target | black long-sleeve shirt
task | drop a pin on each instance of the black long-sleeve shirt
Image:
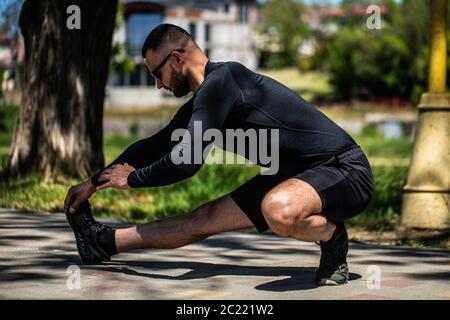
(234, 97)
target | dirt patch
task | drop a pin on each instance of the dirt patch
(403, 237)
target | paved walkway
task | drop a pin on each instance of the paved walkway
(38, 260)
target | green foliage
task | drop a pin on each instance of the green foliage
(119, 60)
(377, 65)
(138, 205)
(375, 146)
(319, 60)
(383, 213)
(384, 210)
(285, 32)
(341, 48)
(2, 77)
(391, 62)
(8, 116)
(212, 181)
(133, 128)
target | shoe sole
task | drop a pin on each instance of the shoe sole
(330, 283)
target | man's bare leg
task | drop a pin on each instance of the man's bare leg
(292, 209)
(217, 216)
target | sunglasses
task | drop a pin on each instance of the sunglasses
(156, 72)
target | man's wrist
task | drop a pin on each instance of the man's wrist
(129, 181)
(91, 186)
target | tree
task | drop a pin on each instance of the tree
(390, 62)
(59, 130)
(120, 61)
(375, 66)
(284, 26)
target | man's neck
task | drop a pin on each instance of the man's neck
(197, 74)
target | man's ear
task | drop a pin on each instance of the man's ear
(178, 57)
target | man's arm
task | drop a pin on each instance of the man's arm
(212, 104)
(144, 152)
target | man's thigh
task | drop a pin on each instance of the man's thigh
(281, 188)
(344, 185)
(249, 197)
(294, 197)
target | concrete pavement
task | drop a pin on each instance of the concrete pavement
(38, 260)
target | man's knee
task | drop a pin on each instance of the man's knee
(284, 213)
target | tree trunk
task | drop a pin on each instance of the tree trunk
(60, 128)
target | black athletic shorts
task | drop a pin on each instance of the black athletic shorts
(344, 184)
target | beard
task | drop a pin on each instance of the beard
(180, 83)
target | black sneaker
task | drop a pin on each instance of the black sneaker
(86, 231)
(333, 269)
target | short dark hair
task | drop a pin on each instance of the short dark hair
(163, 35)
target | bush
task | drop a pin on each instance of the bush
(384, 210)
(375, 145)
(379, 65)
(8, 116)
(392, 62)
(133, 128)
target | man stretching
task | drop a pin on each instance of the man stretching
(323, 179)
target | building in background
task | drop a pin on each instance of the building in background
(223, 29)
(12, 53)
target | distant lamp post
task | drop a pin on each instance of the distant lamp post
(426, 194)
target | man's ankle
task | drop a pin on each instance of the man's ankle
(107, 241)
(335, 232)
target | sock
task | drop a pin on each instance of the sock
(107, 241)
(337, 232)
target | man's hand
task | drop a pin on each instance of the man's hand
(116, 177)
(78, 194)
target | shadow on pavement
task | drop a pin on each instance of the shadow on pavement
(298, 278)
(37, 246)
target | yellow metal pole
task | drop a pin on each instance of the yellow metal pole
(426, 200)
(438, 47)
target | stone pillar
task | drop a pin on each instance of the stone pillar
(426, 194)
